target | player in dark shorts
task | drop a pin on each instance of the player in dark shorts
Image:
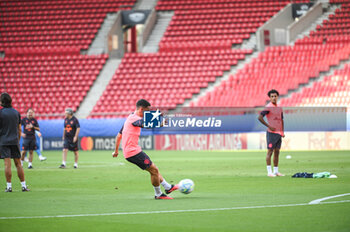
(274, 133)
(30, 125)
(70, 137)
(10, 133)
(129, 135)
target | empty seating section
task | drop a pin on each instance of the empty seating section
(337, 27)
(203, 24)
(286, 67)
(62, 23)
(334, 30)
(42, 40)
(334, 90)
(165, 79)
(195, 49)
(49, 83)
(281, 68)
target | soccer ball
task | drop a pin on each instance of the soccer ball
(186, 186)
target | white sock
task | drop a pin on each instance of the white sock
(9, 185)
(29, 164)
(166, 185)
(157, 191)
(269, 170)
(24, 184)
(275, 170)
(75, 164)
(64, 163)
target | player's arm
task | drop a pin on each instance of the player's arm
(64, 133)
(118, 138)
(22, 131)
(19, 131)
(75, 139)
(38, 133)
(261, 119)
(138, 123)
(36, 126)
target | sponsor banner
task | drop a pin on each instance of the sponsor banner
(253, 141)
(201, 142)
(52, 143)
(108, 143)
(304, 141)
(207, 120)
(216, 120)
(95, 143)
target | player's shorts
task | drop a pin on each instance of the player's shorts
(10, 151)
(29, 144)
(273, 140)
(141, 159)
(68, 144)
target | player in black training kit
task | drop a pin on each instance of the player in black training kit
(70, 137)
(10, 133)
(30, 125)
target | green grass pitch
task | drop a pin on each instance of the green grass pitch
(232, 193)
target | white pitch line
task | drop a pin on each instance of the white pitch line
(317, 201)
(171, 211)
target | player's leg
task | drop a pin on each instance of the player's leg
(76, 158)
(20, 174)
(25, 148)
(64, 157)
(26, 157)
(169, 188)
(156, 180)
(38, 152)
(23, 154)
(275, 162)
(268, 163)
(144, 162)
(277, 147)
(269, 143)
(8, 174)
(30, 159)
(155, 175)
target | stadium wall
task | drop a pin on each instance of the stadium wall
(99, 134)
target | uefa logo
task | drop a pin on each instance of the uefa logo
(152, 119)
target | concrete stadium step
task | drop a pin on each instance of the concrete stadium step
(163, 20)
(98, 88)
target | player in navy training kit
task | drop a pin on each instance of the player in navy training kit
(70, 137)
(10, 133)
(30, 125)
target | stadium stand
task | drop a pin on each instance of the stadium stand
(195, 49)
(42, 41)
(165, 78)
(49, 83)
(281, 68)
(333, 90)
(58, 24)
(285, 67)
(205, 24)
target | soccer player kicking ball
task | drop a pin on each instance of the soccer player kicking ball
(129, 134)
(275, 131)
